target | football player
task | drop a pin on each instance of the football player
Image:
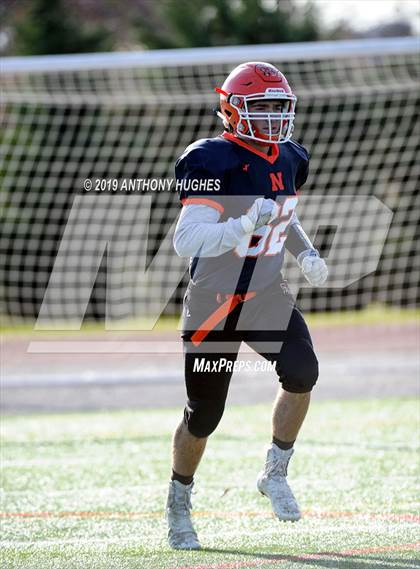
(235, 234)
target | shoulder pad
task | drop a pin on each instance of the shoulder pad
(299, 150)
(211, 154)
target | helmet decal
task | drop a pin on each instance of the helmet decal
(268, 72)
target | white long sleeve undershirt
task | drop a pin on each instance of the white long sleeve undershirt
(199, 234)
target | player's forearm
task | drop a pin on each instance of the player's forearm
(297, 241)
(206, 237)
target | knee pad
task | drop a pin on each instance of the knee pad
(202, 417)
(298, 368)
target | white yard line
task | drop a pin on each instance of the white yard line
(75, 541)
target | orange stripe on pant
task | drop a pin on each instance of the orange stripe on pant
(217, 316)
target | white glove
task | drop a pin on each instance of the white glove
(313, 267)
(262, 212)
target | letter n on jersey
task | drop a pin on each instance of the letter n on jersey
(276, 181)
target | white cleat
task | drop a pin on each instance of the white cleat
(272, 483)
(181, 534)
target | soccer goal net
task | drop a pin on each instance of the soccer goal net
(74, 253)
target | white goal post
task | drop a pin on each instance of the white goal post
(129, 116)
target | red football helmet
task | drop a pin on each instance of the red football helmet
(256, 81)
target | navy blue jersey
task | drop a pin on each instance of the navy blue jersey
(238, 174)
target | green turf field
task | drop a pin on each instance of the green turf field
(87, 491)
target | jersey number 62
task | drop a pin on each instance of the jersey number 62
(269, 240)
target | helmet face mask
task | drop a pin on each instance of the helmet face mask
(260, 123)
(257, 104)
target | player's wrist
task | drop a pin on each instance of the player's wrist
(307, 253)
